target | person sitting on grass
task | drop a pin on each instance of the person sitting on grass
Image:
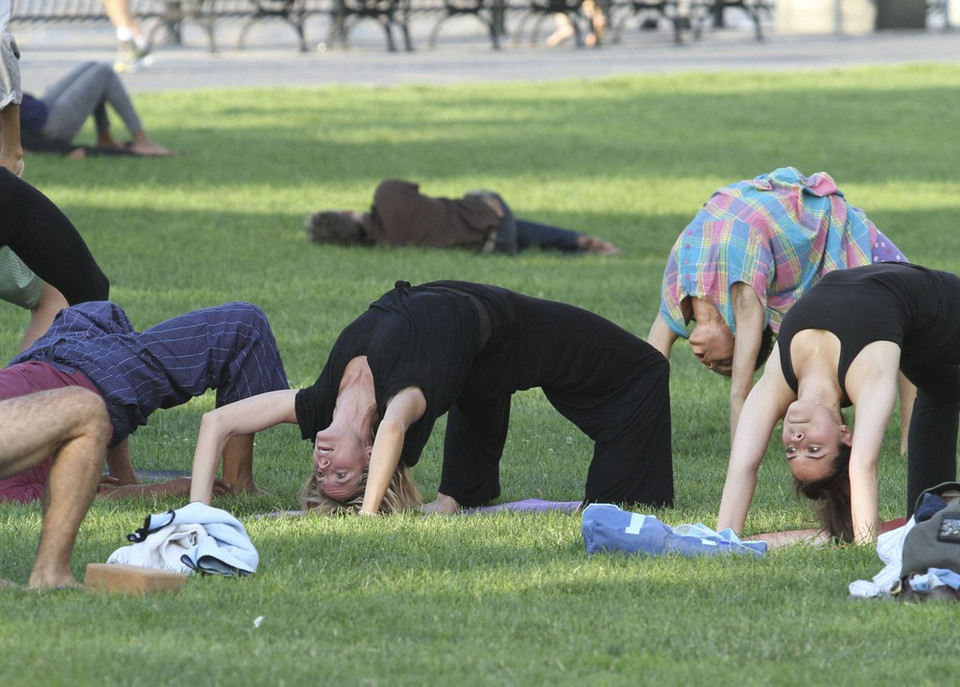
(753, 249)
(72, 434)
(462, 349)
(229, 348)
(843, 343)
(480, 221)
(50, 123)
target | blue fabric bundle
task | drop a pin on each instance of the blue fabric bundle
(609, 528)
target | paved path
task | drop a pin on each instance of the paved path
(464, 56)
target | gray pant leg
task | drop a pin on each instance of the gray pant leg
(83, 93)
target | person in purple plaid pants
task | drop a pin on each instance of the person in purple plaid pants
(230, 348)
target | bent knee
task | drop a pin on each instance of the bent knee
(90, 412)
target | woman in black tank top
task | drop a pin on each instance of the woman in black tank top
(843, 344)
(461, 350)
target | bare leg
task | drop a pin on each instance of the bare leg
(598, 22)
(238, 464)
(11, 150)
(118, 11)
(72, 424)
(51, 302)
(132, 51)
(563, 31)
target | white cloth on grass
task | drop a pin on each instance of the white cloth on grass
(194, 538)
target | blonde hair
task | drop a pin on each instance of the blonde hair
(402, 494)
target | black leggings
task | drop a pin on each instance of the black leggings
(47, 242)
(932, 445)
(610, 384)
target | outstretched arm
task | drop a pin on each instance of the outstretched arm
(764, 407)
(179, 486)
(405, 408)
(241, 418)
(749, 319)
(872, 385)
(119, 465)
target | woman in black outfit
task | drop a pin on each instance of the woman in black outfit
(842, 344)
(464, 349)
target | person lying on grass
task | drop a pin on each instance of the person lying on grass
(93, 345)
(843, 344)
(753, 249)
(462, 349)
(480, 221)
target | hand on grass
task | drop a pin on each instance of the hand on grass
(179, 486)
(443, 505)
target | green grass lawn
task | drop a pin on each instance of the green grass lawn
(506, 599)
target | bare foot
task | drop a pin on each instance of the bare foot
(591, 244)
(444, 505)
(105, 140)
(63, 580)
(150, 149)
(563, 31)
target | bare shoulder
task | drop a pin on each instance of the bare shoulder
(878, 364)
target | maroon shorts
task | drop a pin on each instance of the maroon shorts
(19, 380)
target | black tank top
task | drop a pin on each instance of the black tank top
(914, 307)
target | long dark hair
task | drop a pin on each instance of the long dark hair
(833, 497)
(767, 340)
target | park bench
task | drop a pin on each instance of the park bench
(691, 15)
(164, 19)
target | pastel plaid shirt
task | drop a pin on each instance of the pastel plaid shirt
(779, 233)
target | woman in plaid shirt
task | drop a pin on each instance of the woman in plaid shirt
(753, 249)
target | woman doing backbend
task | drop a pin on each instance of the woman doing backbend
(752, 250)
(463, 349)
(843, 344)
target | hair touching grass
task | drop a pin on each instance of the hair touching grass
(335, 228)
(402, 494)
(833, 496)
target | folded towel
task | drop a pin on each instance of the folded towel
(196, 537)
